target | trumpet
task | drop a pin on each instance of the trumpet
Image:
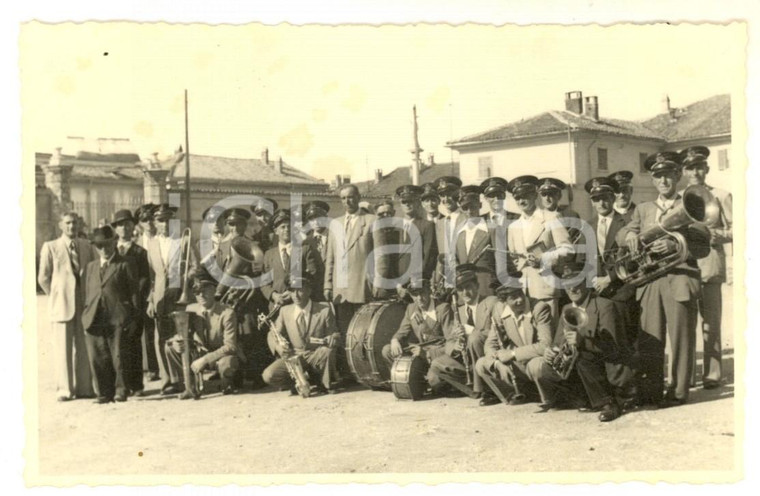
(292, 360)
(574, 318)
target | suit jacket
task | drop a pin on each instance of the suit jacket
(216, 334)
(603, 334)
(320, 323)
(57, 278)
(543, 227)
(446, 230)
(507, 336)
(417, 328)
(165, 278)
(115, 291)
(139, 257)
(426, 247)
(628, 215)
(683, 279)
(483, 313)
(273, 261)
(713, 266)
(616, 290)
(349, 254)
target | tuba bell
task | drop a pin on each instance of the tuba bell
(699, 207)
(574, 318)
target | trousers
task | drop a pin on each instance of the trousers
(504, 380)
(319, 364)
(164, 331)
(104, 348)
(711, 311)
(73, 373)
(227, 366)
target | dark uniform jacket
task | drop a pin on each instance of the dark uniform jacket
(111, 294)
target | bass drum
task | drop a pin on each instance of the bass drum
(371, 328)
(408, 377)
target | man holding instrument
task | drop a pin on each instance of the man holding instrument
(514, 349)
(423, 329)
(307, 329)
(602, 374)
(464, 345)
(213, 327)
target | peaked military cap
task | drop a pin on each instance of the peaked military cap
(447, 183)
(428, 191)
(145, 212)
(264, 206)
(522, 184)
(280, 216)
(601, 185)
(315, 209)
(494, 185)
(550, 183)
(621, 177)
(662, 161)
(164, 211)
(694, 155)
(409, 191)
(236, 214)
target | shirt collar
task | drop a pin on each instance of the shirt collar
(67, 239)
(305, 310)
(430, 311)
(107, 261)
(507, 312)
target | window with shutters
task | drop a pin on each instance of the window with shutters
(642, 159)
(723, 160)
(601, 158)
(484, 167)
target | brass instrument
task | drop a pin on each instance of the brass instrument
(292, 360)
(182, 317)
(574, 318)
(463, 339)
(637, 268)
(240, 266)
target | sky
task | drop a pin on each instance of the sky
(338, 100)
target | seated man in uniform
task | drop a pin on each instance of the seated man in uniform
(466, 340)
(603, 364)
(423, 329)
(307, 329)
(215, 338)
(514, 349)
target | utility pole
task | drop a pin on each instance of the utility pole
(188, 217)
(416, 151)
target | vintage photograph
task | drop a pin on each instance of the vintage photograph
(272, 254)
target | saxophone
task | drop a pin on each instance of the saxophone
(563, 362)
(292, 360)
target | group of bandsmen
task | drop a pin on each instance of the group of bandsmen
(485, 293)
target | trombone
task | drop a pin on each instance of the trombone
(181, 318)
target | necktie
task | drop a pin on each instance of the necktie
(103, 269)
(601, 234)
(74, 256)
(470, 320)
(301, 322)
(285, 260)
(122, 249)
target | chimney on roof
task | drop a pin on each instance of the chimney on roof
(278, 167)
(346, 179)
(55, 158)
(338, 180)
(154, 162)
(378, 175)
(265, 156)
(431, 160)
(591, 108)
(574, 102)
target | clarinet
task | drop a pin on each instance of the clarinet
(463, 340)
(511, 378)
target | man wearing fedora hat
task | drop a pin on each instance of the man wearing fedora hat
(668, 302)
(109, 315)
(514, 348)
(713, 266)
(131, 351)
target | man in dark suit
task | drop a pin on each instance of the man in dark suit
(417, 237)
(606, 224)
(307, 329)
(424, 329)
(713, 266)
(279, 260)
(623, 204)
(669, 301)
(514, 349)
(111, 303)
(316, 220)
(473, 240)
(603, 372)
(466, 341)
(131, 349)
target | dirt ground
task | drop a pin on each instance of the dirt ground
(363, 431)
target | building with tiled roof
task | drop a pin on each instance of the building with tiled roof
(384, 186)
(578, 143)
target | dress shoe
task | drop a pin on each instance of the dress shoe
(229, 389)
(710, 383)
(120, 397)
(670, 402)
(517, 399)
(171, 389)
(64, 397)
(609, 412)
(186, 395)
(102, 401)
(488, 400)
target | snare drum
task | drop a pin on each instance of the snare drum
(371, 328)
(408, 377)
